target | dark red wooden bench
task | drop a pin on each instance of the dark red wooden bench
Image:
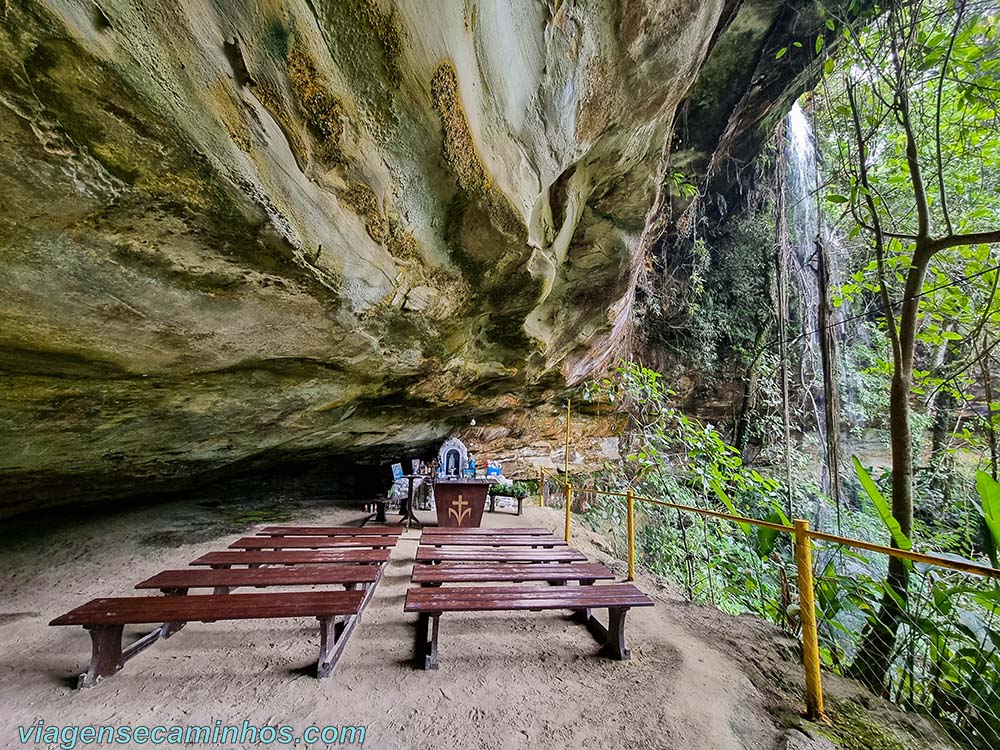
(427, 554)
(312, 542)
(292, 557)
(536, 531)
(486, 540)
(105, 620)
(330, 531)
(617, 598)
(224, 580)
(555, 573)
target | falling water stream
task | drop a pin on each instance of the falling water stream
(806, 232)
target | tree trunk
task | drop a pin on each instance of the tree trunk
(871, 664)
(991, 435)
(831, 392)
(874, 657)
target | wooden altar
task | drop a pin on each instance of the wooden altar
(460, 502)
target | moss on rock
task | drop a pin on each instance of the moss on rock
(361, 200)
(323, 112)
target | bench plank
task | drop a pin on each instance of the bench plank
(482, 540)
(312, 575)
(293, 557)
(450, 554)
(446, 530)
(471, 573)
(312, 542)
(127, 610)
(330, 531)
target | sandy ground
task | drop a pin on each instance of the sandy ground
(507, 680)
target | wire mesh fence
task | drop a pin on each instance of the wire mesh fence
(942, 644)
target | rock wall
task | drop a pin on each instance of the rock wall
(240, 228)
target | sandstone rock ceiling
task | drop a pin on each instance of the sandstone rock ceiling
(234, 228)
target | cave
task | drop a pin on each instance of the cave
(610, 271)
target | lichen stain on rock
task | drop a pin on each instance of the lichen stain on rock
(128, 139)
(273, 102)
(361, 200)
(596, 104)
(323, 112)
(463, 158)
(459, 146)
(384, 226)
(368, 46)
(228, 110)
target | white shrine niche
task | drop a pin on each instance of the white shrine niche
(453, 457)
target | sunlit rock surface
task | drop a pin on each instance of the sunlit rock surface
(231, 229)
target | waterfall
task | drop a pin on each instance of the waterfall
(814, 250)
(802, 180)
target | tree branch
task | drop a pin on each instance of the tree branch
(937, 116)
(958, 240)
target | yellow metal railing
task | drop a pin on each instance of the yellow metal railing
(803, 537)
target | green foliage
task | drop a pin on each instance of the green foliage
(515, 489)
(884, 511)
(713, 303)
(947, 657)
(989, 493)
(671, 455)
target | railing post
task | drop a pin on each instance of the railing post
(807, 613)
(569, 502)
(541, 487)
(631, 535)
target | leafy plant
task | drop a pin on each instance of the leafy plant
(884, 511)
(989, 493)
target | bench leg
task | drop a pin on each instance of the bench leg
(583, 615)
(106, 654)
(169, 628)
(333, 637)
(614, 646)
(611, 638)
(520, 502)
(427, 647)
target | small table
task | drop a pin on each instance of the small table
(406, 506)
(378, 513)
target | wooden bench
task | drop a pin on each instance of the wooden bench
(312, 542)
(555, 573)
(330, 531)
(105, 620)
(292, 557)
(534, 531)
(487, 540)
(427, 554)
(224, 580)
(617, 598)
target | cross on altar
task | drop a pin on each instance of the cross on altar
(461, 510)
